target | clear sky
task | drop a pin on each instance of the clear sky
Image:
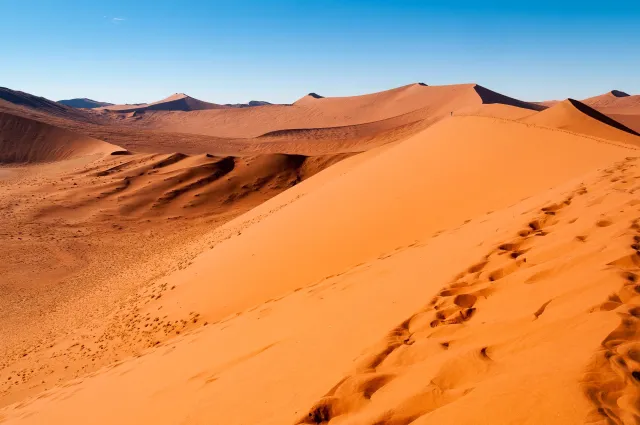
(233, 51)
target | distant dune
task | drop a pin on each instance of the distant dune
(612, 98)
(575, 116)
(423, 255)
(428, 103)
(84, 103)
(28, 141)
(31, 101)
(247, 105)
(176, 102)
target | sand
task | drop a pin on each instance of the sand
(175, 102)
(425, 268)
(575, 116)
(26, 141)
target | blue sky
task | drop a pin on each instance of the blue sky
(235, 51)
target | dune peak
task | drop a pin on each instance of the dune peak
(578, 117)
(618, 93)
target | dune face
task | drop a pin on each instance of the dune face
(491, 97)
(84, 103)
(620, 106)
(179, 185)
(421, 255)
(616, 103)
(28, 100)
(575, 116)
(176, 102)
(28, 141)
(608, 99)
(418, 101)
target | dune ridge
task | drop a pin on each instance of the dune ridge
(27, 141)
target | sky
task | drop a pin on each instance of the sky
(124, 51)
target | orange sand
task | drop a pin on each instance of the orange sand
(478, 268)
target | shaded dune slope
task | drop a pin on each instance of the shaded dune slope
(490, 97)
(84, 103)
(15, 101)
(25, 141)
(179, 185)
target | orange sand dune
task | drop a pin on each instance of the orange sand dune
(177, 185)
(620, 106)
(31, 101)
(476, 261)
(23, 140)
(613, 99)
(81, 237)
(631, 121)
(17, 102)
(175, 102)
(497, 110)
(575, 116)
(439, 100)
(494, 302)
(309, 127)
(548, 103)
(429, 102)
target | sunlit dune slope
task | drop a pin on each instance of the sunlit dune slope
(293, 291)
(577, 117)
(396, 184)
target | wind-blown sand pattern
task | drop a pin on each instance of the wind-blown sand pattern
(422, 255)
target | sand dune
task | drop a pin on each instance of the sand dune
(25, 141)
(614, 98)
(315, 112)
(497, 110)
(84, 103)
(31, 101)
(175, 102)
(423, 255)
(81, 236)
(373, 239)
(177, 185)
(575, 116)
(620, 106)
(444, 140)
(631, 121)
(320, 126)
